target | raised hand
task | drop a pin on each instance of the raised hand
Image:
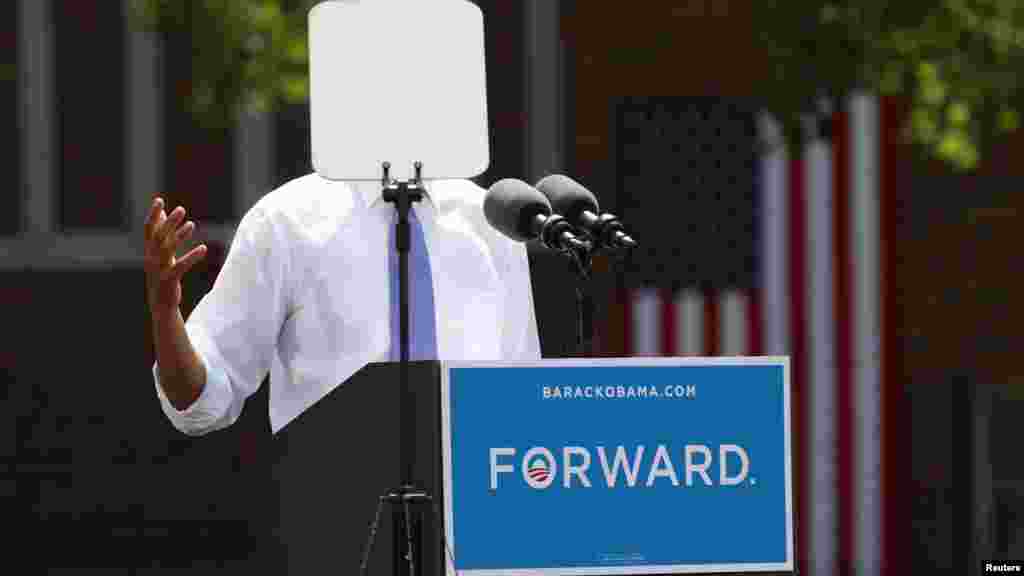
(163, 236)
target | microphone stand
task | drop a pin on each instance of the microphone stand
(406, 548)
(581, 263)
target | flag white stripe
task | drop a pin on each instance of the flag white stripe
(865, 198)
(733, 327)
(689, 309)
(821, 363)
(774, 265)
(646, 322)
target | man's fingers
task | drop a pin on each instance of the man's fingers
(185, 231)
(170, 231)
(154, 216)
(170, 245)
(182, 266)
(168, 225)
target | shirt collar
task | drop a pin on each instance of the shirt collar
(371, 194)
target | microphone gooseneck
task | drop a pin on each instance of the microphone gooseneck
(580, 207)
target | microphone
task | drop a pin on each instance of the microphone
(522, 213)
(579, 206)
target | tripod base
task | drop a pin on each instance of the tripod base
(407, 495)
(408, 533)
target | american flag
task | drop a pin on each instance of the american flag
(770, 253)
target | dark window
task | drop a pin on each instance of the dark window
(291, 130)
(292, 143)
(567, 30)
(10, 136)
(90, 102)
(505, 68)
(199, 161)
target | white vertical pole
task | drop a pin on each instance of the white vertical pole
(867, 331)
(144, 169)
(37, 114)
(254, 159)
(774, 239)
(543, 57)
(823, 535)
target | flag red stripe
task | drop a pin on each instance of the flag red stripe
(895, 429)
(712, 326)
(755, 323)
(669, 330)
(842, 290)
(612, 338)
(627, 297)
(797, 306)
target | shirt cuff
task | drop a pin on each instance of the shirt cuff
(204, 413)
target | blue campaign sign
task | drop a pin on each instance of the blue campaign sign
(618, 466)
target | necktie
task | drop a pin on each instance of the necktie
(422, 331)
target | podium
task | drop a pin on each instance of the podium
(339, 456)
(580, 466)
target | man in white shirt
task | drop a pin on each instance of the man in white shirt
(305, 293)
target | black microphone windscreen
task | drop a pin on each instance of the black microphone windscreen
(567, 196)
(510, 205)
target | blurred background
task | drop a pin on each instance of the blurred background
(825, 213)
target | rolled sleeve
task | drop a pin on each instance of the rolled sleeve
(206, 413)
(234, 326)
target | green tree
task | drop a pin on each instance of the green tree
(246, 54)
(956, 60)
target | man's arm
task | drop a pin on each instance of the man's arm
(182, 373)
(207, 366)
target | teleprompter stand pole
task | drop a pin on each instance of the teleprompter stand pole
(408, 546)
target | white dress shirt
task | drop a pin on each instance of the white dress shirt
(304, 293)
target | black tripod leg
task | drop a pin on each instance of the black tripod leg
(410, 549)
(371, 538)
(398, 561)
